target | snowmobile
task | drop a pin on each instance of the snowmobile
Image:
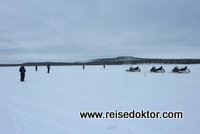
(158, 70)
(135, 69)
(181, 70)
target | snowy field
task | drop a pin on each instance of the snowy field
(51, 103)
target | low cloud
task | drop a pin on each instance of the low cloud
(76, 30)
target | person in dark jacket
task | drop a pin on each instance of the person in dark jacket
(48, 68)
(22, 71)
(36, 68)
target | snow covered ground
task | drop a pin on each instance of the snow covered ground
(51, 103)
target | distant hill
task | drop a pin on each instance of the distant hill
(113, 61)
(134, 60)
(109, 61)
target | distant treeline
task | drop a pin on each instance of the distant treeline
(38, 64)
(145, 61)
(112, 61)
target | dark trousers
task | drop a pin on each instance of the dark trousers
(22, 76)
(48, 70)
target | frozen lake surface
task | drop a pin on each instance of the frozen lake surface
(51, 103)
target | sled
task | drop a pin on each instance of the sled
(131, 69)
(158, 70)
(181, 70)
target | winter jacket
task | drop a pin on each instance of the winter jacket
(22, 70)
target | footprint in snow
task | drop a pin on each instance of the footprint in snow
(112, 127)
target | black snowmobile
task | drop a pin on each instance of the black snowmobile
(181, 70)
(158, 70)
(135, 69)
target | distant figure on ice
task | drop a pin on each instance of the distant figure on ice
(22, 71)
(48, 68)
(36, 68)
(83, 67)
(104, 66)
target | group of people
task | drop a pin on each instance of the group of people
(22, 71)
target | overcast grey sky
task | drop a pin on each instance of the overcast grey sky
(74, 30)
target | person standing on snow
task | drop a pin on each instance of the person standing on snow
(22, 71)
(48, 68)
(36, 68)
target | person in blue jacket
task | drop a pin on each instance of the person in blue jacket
(48, 68)
(22, 71)
(36, 68)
